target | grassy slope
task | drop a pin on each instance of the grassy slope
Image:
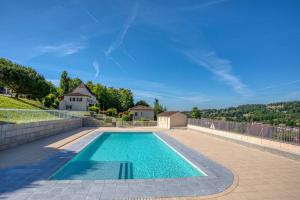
(8, 102)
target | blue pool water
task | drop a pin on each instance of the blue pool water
(126, 156)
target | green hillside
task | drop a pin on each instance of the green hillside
(287, 113)
(21, 103)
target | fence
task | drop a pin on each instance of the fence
(25, 116)
(282, 134)
(135, 123)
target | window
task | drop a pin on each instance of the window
(135, 114)
(80, 99)
(69, 107)
(141, 113)
(70, 99)
(73, 98)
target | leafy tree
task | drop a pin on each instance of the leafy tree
(112, 112)
(74, 83)
(126, 99)
(158, 108)
(121, 99)
(22, 80)
(114, 98)
(196, 113)
(49, 100)
(65, 82)
(142, 103)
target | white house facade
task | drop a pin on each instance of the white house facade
(170, 119)
(79, 99)
(142, 112)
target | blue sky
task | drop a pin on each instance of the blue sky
(205, 53)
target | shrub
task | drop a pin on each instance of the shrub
(94, 109)
(49, 100)
(112, 112)
(126, 118)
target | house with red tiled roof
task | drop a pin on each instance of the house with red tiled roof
(80, 99)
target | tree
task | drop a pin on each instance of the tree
(114, 98)
(49, 101)
(13, 77)
(74, 83)
(121, 99)
(64, 82)
(158, 108)
(142, 103)
(22, 80)
(125, 99)
(195, 113)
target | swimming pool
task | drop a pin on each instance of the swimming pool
(127, 155)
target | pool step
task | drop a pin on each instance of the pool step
(126, 170)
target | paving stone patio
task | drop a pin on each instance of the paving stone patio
(260, 175)
(31, 182)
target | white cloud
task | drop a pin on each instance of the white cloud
(96, 67)
(93, 18)
(202, 5)
(63, 49)
(119, 40)
(219, 67)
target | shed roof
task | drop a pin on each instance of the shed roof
(168, 113)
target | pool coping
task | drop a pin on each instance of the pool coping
(218, 178)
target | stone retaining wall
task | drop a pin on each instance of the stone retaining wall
(15, 134)
(92, 122)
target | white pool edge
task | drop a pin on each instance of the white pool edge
(182, 156)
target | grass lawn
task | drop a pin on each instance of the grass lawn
(21, 103)
(23, 116)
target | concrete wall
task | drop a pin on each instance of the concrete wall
(92, 122)
(16, 134)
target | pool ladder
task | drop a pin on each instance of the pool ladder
(126, 170)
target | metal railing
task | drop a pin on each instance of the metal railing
(281, 134)
(26, 115)
(135, 123)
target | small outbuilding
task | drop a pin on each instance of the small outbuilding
(170, 119)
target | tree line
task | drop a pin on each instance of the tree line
(285, 113)
(22, 80)
(25, 81)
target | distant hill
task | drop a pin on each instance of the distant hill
(287, 113)
(21, 103)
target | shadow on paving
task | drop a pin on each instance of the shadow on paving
(24, 176)
(21, 177)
